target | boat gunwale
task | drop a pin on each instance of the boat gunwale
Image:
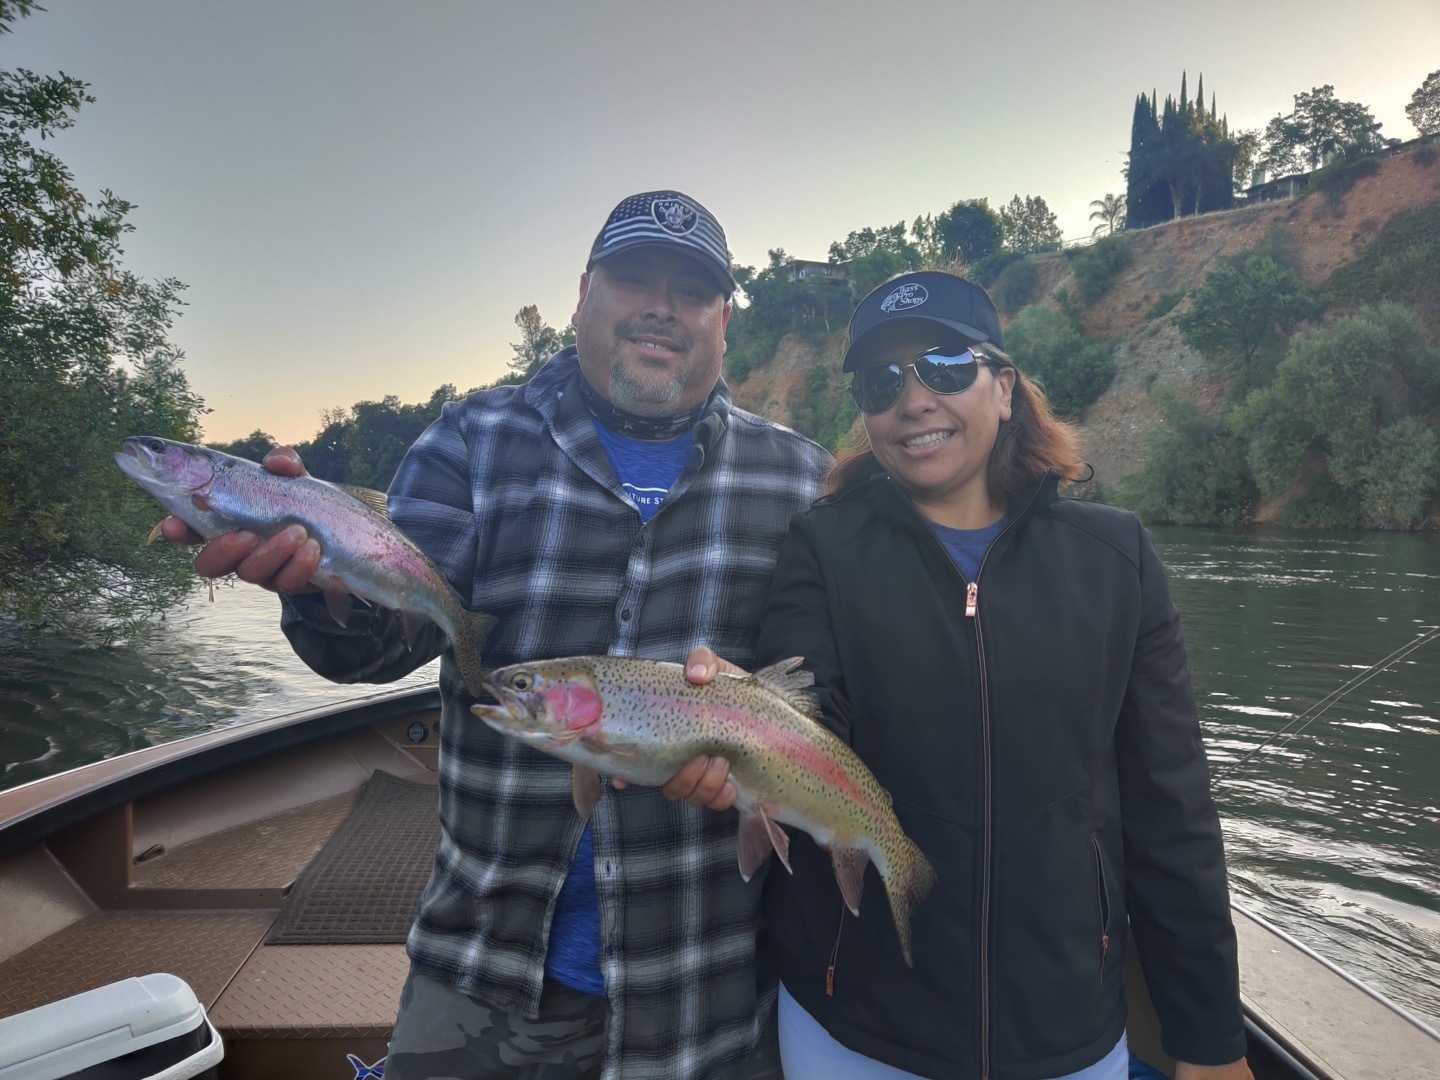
(1335, 969)
(32, 812)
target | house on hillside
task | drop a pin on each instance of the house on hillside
(806, 270)
(1288, 187)
(1282, 187)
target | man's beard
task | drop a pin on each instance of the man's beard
(656, 395)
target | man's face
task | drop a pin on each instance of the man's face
(650, 331)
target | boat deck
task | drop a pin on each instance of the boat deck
(190, 881)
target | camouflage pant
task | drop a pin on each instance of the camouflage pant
(441, 1034)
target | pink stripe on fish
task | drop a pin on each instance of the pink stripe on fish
(794, 746)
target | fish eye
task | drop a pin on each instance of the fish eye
(521, 682)
(155, 446)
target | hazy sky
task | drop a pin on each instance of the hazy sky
(362, 194)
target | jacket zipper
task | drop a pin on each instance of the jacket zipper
(1102, 887)
(972, 611)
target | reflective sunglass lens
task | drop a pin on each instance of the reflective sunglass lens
(947, 374)
(877, 388)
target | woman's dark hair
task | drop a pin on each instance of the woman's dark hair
(1027, 446)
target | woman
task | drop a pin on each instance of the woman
(1010, 665)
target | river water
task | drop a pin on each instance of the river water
(1333, 831)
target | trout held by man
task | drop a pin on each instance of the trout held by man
(640, 721)
(362, 553)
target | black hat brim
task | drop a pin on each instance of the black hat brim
(921, 331)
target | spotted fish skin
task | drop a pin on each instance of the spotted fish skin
(642, 720)
(362, 553)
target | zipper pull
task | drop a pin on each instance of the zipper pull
(830, 981)
(1104, 948)
(972, 601)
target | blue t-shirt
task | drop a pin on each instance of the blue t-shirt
(968, 546)
(647, 470)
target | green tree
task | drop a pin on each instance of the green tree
(1110, 212)
(1095, 266)
(1424, 107)
(84, 362)
(1028, 225)
(538, 342)
(875, 255)
(1181, 159)
(969, 230)
(1048, 346)
(1194, 471)
(1351, 408)
(1247, 156)
(1320, 127)
(1244, 313)
(253, 447)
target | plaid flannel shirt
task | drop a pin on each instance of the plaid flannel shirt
(511, 494)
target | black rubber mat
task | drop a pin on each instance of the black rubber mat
(362, 887)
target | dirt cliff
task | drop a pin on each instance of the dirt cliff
(1326, 228)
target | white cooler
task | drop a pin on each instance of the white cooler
(148, 1028)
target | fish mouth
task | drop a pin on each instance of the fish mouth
(512, 714)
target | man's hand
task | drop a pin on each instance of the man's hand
(1236, 1070)
(704, 781)
(283, 564)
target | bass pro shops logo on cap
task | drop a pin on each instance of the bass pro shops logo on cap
(905, 297)
(675, 216)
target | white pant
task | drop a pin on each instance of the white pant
(807, 1049)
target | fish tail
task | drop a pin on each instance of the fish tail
(909, 882)
(473, 634)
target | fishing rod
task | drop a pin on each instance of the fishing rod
(1315, 711)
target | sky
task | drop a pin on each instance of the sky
(361, 194)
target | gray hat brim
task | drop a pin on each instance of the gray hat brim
(720, 277)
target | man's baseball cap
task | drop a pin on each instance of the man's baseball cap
(666, 219)
(928, 309)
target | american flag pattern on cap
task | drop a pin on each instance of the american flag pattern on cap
(666, 219)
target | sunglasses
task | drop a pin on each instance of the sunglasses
(940, 371)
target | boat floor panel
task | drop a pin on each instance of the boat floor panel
(205, 948)
(269, 853)
(313, 991)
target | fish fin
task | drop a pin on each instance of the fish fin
(598, 745)
(778, 837)
(752, 844)
(585, 790)
(375, 500)
(789, 681)
(337, 602)
(911, 879)
(849, 863)
(154, 534)
(786, 674)
(201, 503)
(410, 626)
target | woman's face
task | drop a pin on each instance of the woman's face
(937, 446)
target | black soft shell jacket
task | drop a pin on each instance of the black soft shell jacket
(1045, 754)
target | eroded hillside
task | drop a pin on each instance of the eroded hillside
(1327, 230)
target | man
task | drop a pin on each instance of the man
(617, 503)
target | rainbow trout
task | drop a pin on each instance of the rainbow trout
(640, 721)
(361, 552)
